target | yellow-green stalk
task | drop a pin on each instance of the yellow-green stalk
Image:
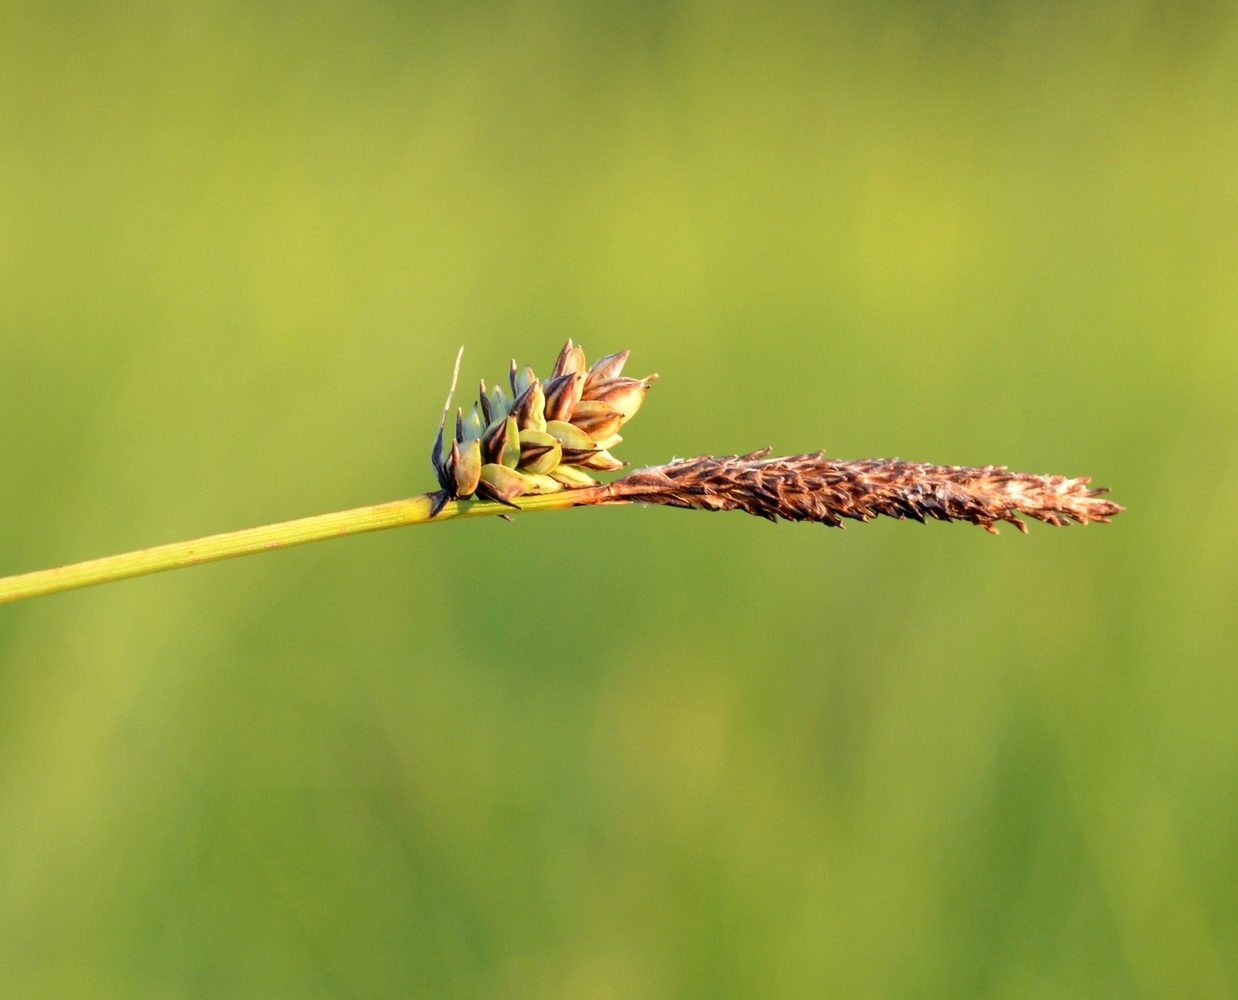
(212, 548)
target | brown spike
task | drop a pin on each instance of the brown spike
(812, 488)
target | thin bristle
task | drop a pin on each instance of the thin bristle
(455, 374)
(813, 488)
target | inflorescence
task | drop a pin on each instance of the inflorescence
(548, 437)
(543, 437)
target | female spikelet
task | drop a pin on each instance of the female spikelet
(541, 437)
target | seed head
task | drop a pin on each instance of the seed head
(548, 437)
(543, 436)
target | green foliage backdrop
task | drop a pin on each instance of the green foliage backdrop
(619, 753)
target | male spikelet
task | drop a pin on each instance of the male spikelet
(543, 437)
(815, 488)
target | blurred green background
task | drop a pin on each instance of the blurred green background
(619, 753)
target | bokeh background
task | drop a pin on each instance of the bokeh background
(619, 753)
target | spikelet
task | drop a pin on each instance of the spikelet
(815, 488)
(542, 437)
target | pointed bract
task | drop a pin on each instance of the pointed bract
(570, 436)
(562, 395)
(530, 408)
(560, 367)
(492, 441)
(510, 455)
(467, 461)
(539, 452)
(572, 477)
(522, 381)
(622, 394)
(597, 419)
(542, 484)
(576, 361)
(436, 459)
(610, 366)
(484, 401)
(500, 445)
(497, 482)
(602, 461)
(500, 404)
(474, 426)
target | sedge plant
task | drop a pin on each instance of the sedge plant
(535, 445)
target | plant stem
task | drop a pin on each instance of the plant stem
(796, 488)
(396, 514)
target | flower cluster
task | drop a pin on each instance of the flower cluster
(543, 436)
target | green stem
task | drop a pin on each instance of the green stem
(396, 514)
